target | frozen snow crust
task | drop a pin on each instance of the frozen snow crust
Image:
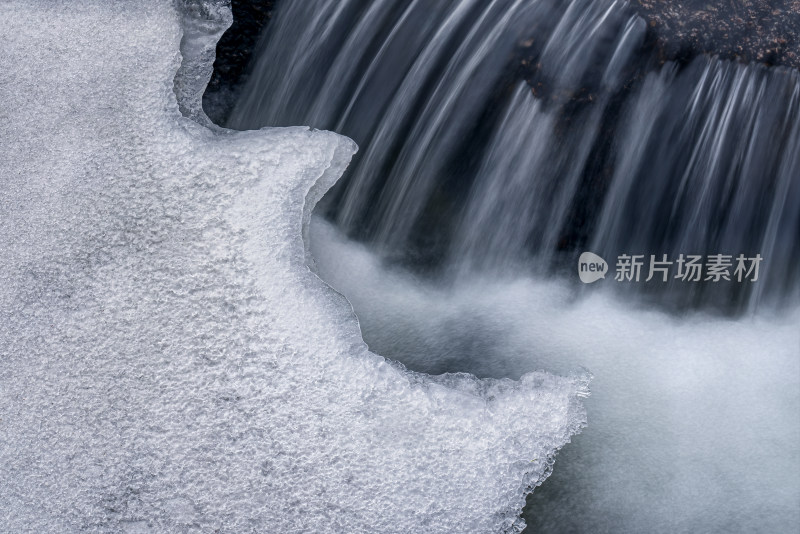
(168, 362)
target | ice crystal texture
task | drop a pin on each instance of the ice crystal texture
(168, 361)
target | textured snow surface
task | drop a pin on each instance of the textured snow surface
(168, 362)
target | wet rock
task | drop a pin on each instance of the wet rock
(762, 31)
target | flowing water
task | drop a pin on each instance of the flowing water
(501, 138)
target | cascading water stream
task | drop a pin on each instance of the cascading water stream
(498, 140)
(426, 72)
(609, 151)
(705, 162)
(714, 170)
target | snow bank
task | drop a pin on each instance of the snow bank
(168, 362)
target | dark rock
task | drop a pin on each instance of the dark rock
(762, 31)
(234, 52)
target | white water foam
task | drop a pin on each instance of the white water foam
(168, 363)
(693, 421)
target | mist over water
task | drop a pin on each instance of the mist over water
(498, 140)
(693, 423)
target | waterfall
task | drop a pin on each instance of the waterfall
(500, 139)
(711, 166)
(465, 166)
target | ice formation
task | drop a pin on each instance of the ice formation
(203, 22)
(168, 362)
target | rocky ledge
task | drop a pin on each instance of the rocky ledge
(762, 31)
